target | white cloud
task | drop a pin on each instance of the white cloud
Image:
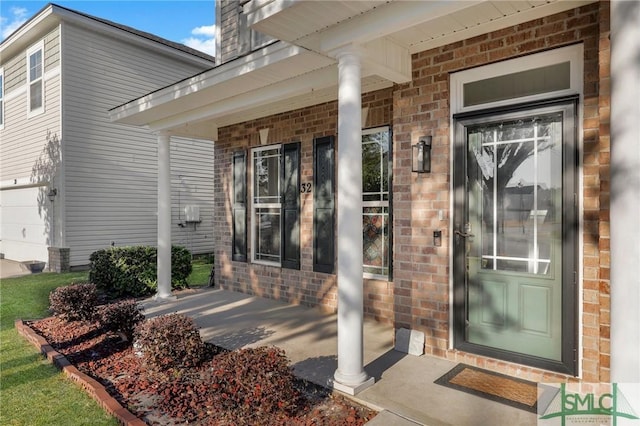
(203, 40)
(10, 24)
(206, 30)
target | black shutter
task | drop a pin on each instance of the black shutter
(323, 205)
(239, 249)
(290, 178)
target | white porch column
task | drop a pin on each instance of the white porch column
(350, 376)
(625, 191)
(164, 217)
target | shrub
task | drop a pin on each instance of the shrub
(121, 317)
(254, 380)
(131, 271)
(74, 302)
(170, 341)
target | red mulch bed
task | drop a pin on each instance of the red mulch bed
(178, 397)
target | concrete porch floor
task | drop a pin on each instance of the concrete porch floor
(404, 387)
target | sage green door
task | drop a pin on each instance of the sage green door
(511, 220)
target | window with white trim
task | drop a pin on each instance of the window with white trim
(275, 207)
(1, 98)
(35, 80)
(375, 202)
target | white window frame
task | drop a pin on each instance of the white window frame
(380, 203)
(572, 54)
(30, 52)
(3, 104)
(255, 206)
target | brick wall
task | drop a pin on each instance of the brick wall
(304, 286)
(419, 296)
(421, 271)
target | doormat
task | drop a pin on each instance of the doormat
(497, 387)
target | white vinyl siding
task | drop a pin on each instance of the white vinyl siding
(28, 145)
(1, 98)
(111, 169)
(35, 79)
(192, 184)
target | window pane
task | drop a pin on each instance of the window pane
(35, 65)
(375, 235)
(35, 97)
(375, 173)
(518, 166)
(268, 234)
(524, 83)
(266, 171)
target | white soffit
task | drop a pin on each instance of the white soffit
(479, 19)
(417, 25)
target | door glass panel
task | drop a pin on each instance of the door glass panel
(268, 238)
(515, 168)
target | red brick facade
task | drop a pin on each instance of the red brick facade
(418, 297)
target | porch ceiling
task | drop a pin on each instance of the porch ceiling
(322, 25)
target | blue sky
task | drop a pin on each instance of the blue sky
(189, 22)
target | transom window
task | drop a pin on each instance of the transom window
(375, 201)
(35, 82)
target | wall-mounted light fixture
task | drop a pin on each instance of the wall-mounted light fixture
(437, 238)
(421, 155)
(52, 194)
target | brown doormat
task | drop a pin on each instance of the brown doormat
(497, 387)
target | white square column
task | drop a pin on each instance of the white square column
(350, 376)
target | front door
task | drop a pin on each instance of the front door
(514, 228)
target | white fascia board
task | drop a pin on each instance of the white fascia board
(386, 20)
(86, 22)
(259, 10)
(226, 72)
(20, 37)
(316, 80)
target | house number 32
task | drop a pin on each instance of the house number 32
(305, 187)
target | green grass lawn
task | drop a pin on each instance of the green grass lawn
(32, 391)
(200, 274)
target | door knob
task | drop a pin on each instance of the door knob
(463, 234)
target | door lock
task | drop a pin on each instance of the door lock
(467, 231)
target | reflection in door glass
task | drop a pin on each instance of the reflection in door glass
(515, 168)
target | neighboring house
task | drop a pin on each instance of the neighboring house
(447, 167)
(71, 180)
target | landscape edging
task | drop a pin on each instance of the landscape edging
(90, 385)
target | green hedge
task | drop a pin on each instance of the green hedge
(131, 271)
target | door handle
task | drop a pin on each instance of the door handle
(463, 234)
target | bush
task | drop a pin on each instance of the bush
(170, 341)
(121, 317)
(74, 302)
(254, 380)
(131, 271)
